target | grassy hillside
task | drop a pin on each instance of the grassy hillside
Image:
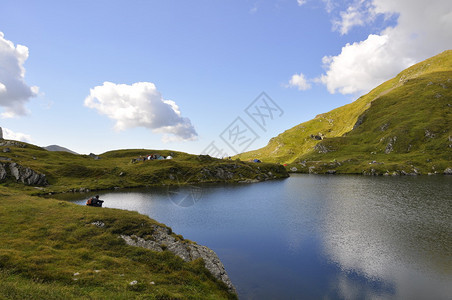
(65, 171)
(50, 249)
(412, 112)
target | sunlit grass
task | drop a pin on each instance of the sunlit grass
(50, 249)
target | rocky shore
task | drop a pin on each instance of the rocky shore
(162, 239)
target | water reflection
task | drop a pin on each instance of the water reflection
(311, 237)
(392, 230)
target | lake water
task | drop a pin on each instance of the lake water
(314, 236)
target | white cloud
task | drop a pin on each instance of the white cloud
(14, 92)
(299, 81)
(422, 30)
(8, 134)
(301, 2)
(349, 18)
(140, 105)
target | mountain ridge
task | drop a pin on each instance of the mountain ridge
(426, 85)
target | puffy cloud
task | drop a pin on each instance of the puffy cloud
(299, 81)
(422, 30)
(140, 105)
(14, 92)
(17, 136)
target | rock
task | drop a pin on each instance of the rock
(330, 172)
(311, 170)
(390, 145)
(94, 156)
(429, 134)
(3, 172)
(163, 239)
(448, 171)
(321, 148)
(359, 121)
(25, 175)
(1, 133)
(98, 224)
(6, 150)
(294, 169)
(384, 126)
(316, 137)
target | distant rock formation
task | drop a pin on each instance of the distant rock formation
(1, 133)
(21, 174)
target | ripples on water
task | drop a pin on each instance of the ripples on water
(311, 237)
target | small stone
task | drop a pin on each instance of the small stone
(152, 282)
(76, 273)
(133, 282)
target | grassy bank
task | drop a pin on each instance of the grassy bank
(50, 249)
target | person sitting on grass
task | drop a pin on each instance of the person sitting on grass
(94, 201)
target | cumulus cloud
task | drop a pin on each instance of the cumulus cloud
(299, 81)
(14, 92)
(17, 136)
(140, 105)
(422, 30)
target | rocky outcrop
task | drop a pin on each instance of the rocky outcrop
(321, 148)
(162, 239)
(390, 146)
(22, 174)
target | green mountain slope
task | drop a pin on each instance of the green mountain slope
(403, 125)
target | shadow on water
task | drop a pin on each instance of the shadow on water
(310, 237)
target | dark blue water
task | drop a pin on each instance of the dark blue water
(317, 237)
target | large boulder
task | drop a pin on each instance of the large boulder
(22, 174)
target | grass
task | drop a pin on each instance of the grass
(50, 250)
(69, 172)
(414, 107)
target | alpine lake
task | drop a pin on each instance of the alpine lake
(315, 236)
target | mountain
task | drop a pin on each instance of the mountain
(404, 126)
(58, 148)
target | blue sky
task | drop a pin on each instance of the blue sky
(95, 76)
